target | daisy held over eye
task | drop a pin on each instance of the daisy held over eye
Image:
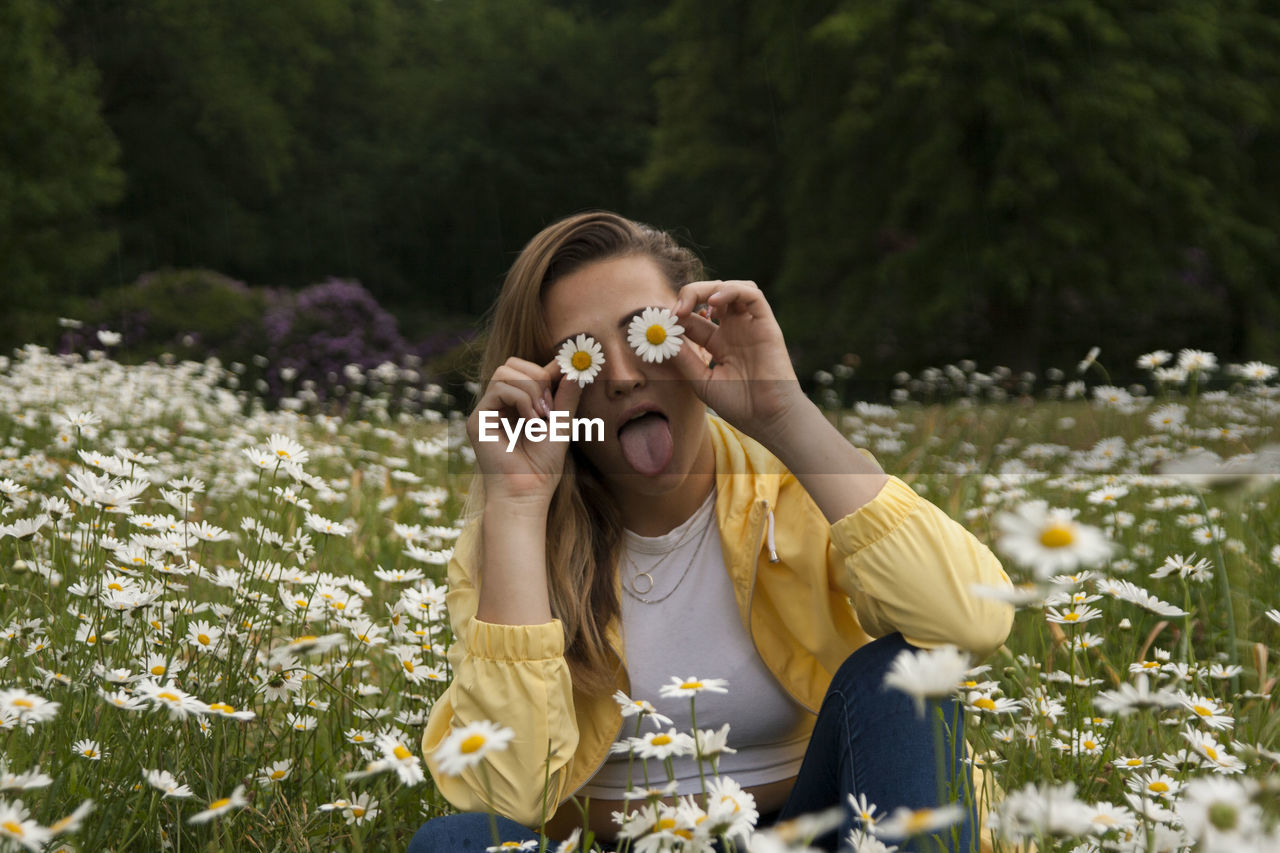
(719, 524)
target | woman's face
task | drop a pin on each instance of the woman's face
(650, 454)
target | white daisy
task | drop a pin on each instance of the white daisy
(218, 807)
(928, 672)
(88, 749)
(580, 358)
(655, 335)
(682, 687)
(1049, 541)
(163, 780)
(468, 745)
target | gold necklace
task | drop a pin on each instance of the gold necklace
(637, 594)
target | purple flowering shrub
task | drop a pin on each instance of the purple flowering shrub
(329, 344)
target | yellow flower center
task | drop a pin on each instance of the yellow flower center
(581, 360)
(158, 669)
(1134, 762)
(219, 804)
(113, 585)
(221, 706)
(655, 334)
(284, 454)
(1071, 617)
(1211, 752)
(1158, 787)
(356, 811)
(357, 738)
(472, 744)
(661, 740)
(985, 704)
(277, 775)
(1058, 536)
(408, 665)
(203, 639)
(23, 703)
(401, 753)
(919, 821)
(665, 823)
(168, 697)
(1090, 745)
(1202, 711)
(13, 828)
(691, 685)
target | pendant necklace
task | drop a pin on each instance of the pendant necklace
(637, 592)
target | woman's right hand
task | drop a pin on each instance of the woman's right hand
(529, 473)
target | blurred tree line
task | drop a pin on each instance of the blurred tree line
(909, 181)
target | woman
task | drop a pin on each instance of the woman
(589, 568)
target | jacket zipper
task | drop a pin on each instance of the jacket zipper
(751, 594)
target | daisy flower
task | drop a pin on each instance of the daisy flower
(163, 780)
(632, 707)
(363, 808)
(320, 524)
(179, 703)
(28, 708)
(284, 449)
(908, 823)
(692, 686)
(467, 745)
(396, 756)
(1208, 711)
(580, 358)
(16, 825)
(928, 673)
(1152, 360)
(218, 807)
(663, 745)
(655, 335)
(1049, 541)
(88, 749)
(276, 772)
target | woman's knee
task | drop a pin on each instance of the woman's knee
(467, 831)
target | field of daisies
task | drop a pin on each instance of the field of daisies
(222, 626)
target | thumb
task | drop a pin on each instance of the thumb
(567, 396)
(693, 362)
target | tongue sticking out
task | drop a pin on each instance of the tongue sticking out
(646, 444)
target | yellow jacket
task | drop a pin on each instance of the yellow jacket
(809, 592)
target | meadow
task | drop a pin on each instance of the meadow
(223, 626)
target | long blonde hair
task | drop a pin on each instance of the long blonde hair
(584, 529)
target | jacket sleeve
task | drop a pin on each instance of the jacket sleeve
(515, 676)
(907, 566)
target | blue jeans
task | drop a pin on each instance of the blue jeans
(868, 739)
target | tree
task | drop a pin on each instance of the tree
(57, 171)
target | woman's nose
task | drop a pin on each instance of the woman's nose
(623, 369)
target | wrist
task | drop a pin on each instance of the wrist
(506, 509)
(794, 422)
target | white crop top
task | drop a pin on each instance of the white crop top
(696, 631)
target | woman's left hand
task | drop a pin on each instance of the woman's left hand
(749, 381)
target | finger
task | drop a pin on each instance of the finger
(739, 296)
(698, 329)
(693, 294)
(693, 363)
(513, 397)
(567, 397)
(536, 379)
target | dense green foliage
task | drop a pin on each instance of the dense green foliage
(911, 182)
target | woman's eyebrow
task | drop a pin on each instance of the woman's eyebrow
(622, 324)
(625, 321)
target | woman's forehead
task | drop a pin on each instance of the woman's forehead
(603, 296)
